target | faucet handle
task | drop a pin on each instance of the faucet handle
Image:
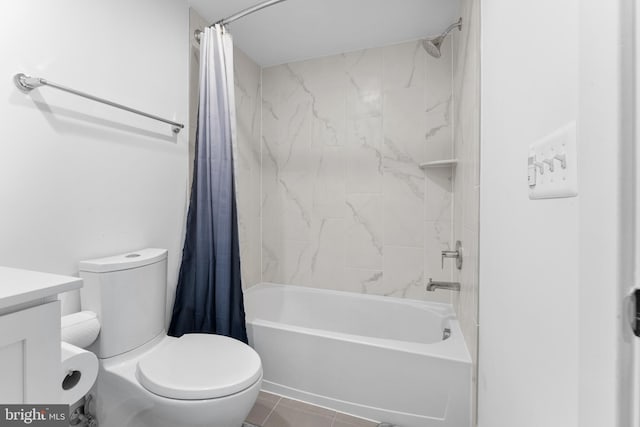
(447, 254)
(457, 254)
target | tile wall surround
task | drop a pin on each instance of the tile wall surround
(248, 114)
(328, 181)
(344, 203)
(466, 92)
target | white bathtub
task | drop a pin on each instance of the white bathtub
(375, 357)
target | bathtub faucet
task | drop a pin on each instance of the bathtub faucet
(450, 286)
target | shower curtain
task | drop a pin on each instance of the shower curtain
(209, 292)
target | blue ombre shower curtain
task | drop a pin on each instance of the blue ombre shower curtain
(209, 292)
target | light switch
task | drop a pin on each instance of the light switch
(554, 160)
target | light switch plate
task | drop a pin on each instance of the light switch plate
(552, 180)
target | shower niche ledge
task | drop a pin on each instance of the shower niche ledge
(452, 163)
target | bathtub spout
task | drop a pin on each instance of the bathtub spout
(450, 286)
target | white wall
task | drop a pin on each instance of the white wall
(606, 206)
(528, 373)
(79, 179)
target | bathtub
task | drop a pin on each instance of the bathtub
(385, 359)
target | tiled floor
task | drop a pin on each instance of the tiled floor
(272, 410)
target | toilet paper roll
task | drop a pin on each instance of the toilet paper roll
(80, 329)
(79, 372)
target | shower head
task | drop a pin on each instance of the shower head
(432, 46)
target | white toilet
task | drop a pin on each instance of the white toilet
(148, 379)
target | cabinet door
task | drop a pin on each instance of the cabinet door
(30, 355)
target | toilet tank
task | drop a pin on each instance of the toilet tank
(128, 294)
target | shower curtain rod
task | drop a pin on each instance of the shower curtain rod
(241, 14)
(247, 11)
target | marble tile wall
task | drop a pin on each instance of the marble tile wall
(248, 114)
(247, 150)
(344, 203)
(466, 90)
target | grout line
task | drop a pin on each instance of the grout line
(271, 412)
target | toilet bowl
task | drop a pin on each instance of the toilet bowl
(148, 379)
(128, 392)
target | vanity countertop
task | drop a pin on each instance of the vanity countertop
(19, 286)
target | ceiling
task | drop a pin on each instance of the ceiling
(302, 29)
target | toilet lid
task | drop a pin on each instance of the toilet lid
(199, 366)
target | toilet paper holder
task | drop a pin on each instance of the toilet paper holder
(82, 416)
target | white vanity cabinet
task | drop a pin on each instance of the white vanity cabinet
(30, 335)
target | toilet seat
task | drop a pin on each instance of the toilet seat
(199, 366)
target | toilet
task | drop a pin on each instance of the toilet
(148, 379)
